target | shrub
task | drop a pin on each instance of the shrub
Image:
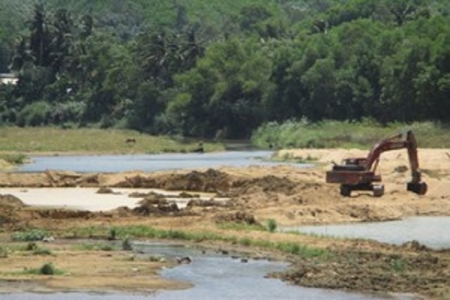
(126, 245)
(47, 269)
(272, 225)
(35, 114)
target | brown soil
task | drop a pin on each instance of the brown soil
(289, 195)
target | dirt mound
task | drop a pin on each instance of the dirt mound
(268, 183)
(237, 217)
(212, 181)
(155, 204)
(61, 214)
(11, 201)
(370, 271)
(10, 210)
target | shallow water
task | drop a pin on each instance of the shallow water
(215, 276)
(150, 162)
(429, 231)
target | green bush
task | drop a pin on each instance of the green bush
(14, 158)
(35, 114)
(47, 269)
(272, 225)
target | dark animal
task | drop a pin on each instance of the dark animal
(130, 141)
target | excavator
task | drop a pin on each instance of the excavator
(358, 174)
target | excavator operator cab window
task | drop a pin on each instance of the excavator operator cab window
(354, 161)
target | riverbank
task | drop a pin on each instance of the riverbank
(260, 196)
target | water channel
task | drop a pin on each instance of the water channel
(214, 276)
(429, 231)
(150, 162)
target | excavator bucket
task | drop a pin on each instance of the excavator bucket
(419, 188)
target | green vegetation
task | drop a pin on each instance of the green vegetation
(240, 226)
(29, 235)
(96, 247)
(45, 269)
(398, 265)
(126, 245)
(334, 134)
(52, 139)
(3, 252)
(272, 225)
(13, 158)
(224, 68)
(150, 232)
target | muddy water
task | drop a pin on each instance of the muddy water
(429, 231)
(148, 163)
(214, 276)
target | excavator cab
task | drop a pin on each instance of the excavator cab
(349, 164)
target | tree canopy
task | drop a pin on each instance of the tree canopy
(223, 68)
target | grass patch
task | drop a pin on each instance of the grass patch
(141, 231)
(14, 158)
(240, 226)
(339, 134)
(42, 251)
(398, 265)
(96, 247)
(3, 252)
(54, 139)
(29, 235)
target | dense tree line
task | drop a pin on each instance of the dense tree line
(223, 69)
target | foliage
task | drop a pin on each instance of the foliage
(272, 225)
(336, 134)
(13, 158)
(45, 269)
(222, 69)
(29, 235)
(141, 231)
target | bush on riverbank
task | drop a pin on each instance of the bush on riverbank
(335, 134)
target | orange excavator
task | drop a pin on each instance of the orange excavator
(358, 174)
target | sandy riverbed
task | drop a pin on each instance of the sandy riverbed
(287, 194)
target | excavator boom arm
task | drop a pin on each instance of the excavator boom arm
(399, 141)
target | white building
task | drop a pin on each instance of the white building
(8, 78)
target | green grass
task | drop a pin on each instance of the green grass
(95, 247)
(3, 252)
(14, 158)
(153, 233)
(84, 140)
(398, 265)
(29, 235)
(335, 134)
(240, 226)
